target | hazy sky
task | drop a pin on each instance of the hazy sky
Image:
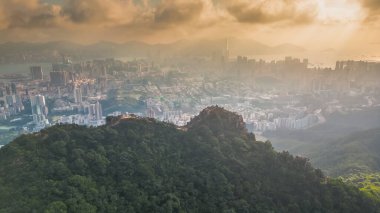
(344, 25)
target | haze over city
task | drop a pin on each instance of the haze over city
(339, 28)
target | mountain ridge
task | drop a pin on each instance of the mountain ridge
(143, 165)
(198, 47)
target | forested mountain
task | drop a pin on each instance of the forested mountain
(345, 144)
(358, 152)
(142, 165)
(355, 153)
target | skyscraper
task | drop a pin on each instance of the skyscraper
(39, 109)
(78, 95)
(95, 111)
(8, 90)
(98, 111)
(14, 88)
(10, 100)
(36, 73)
(227, 51)
(58, 78)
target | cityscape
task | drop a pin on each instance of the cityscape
(270, 95)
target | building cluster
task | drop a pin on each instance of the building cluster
(176, 117)
(39, 112)
(49, 97)
(290, 123)
(273, 95)
(92, 117)
(11, 101)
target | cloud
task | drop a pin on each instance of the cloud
(28, 14)
(272, 11)
(128, 14)
(373, 8)
(172, 12)
(153, 20)
(108, 12)
(158, 15)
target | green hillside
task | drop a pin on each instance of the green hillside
(369, 183)
(358, 152)
(345, 144)
(141, 165)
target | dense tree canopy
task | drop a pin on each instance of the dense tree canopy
(369, 183)
(141, 165)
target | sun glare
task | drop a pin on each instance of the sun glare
(340, 11)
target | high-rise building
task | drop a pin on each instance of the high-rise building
(58, 78)
(57, 67)
(14, 88)
(10, 100)
(78, 95)
(8, 90)
(95, 111)
(102, 83)
(36, 73)
(91, 110)
(98, 111)
(39, 109)
(18, 100)
(305, 63)
(227, 51)
(150, 113)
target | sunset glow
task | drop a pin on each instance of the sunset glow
(313, 24)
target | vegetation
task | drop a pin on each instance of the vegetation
(118, 101)
(359, 152)
(141, 165)
(369, 183)
(344, 145)
(6, 136)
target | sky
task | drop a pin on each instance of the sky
(323, 25)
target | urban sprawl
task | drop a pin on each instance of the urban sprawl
(270, 95)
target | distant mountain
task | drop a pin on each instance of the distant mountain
(346, 143)
(24, 47)
(287, 48)
(141, 165)
(54, 50)
(328, 50)
(358, 152)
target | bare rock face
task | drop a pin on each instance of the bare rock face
(219, 120)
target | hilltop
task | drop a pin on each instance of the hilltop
(142, 165)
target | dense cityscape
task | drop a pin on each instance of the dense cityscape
(270, 95)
